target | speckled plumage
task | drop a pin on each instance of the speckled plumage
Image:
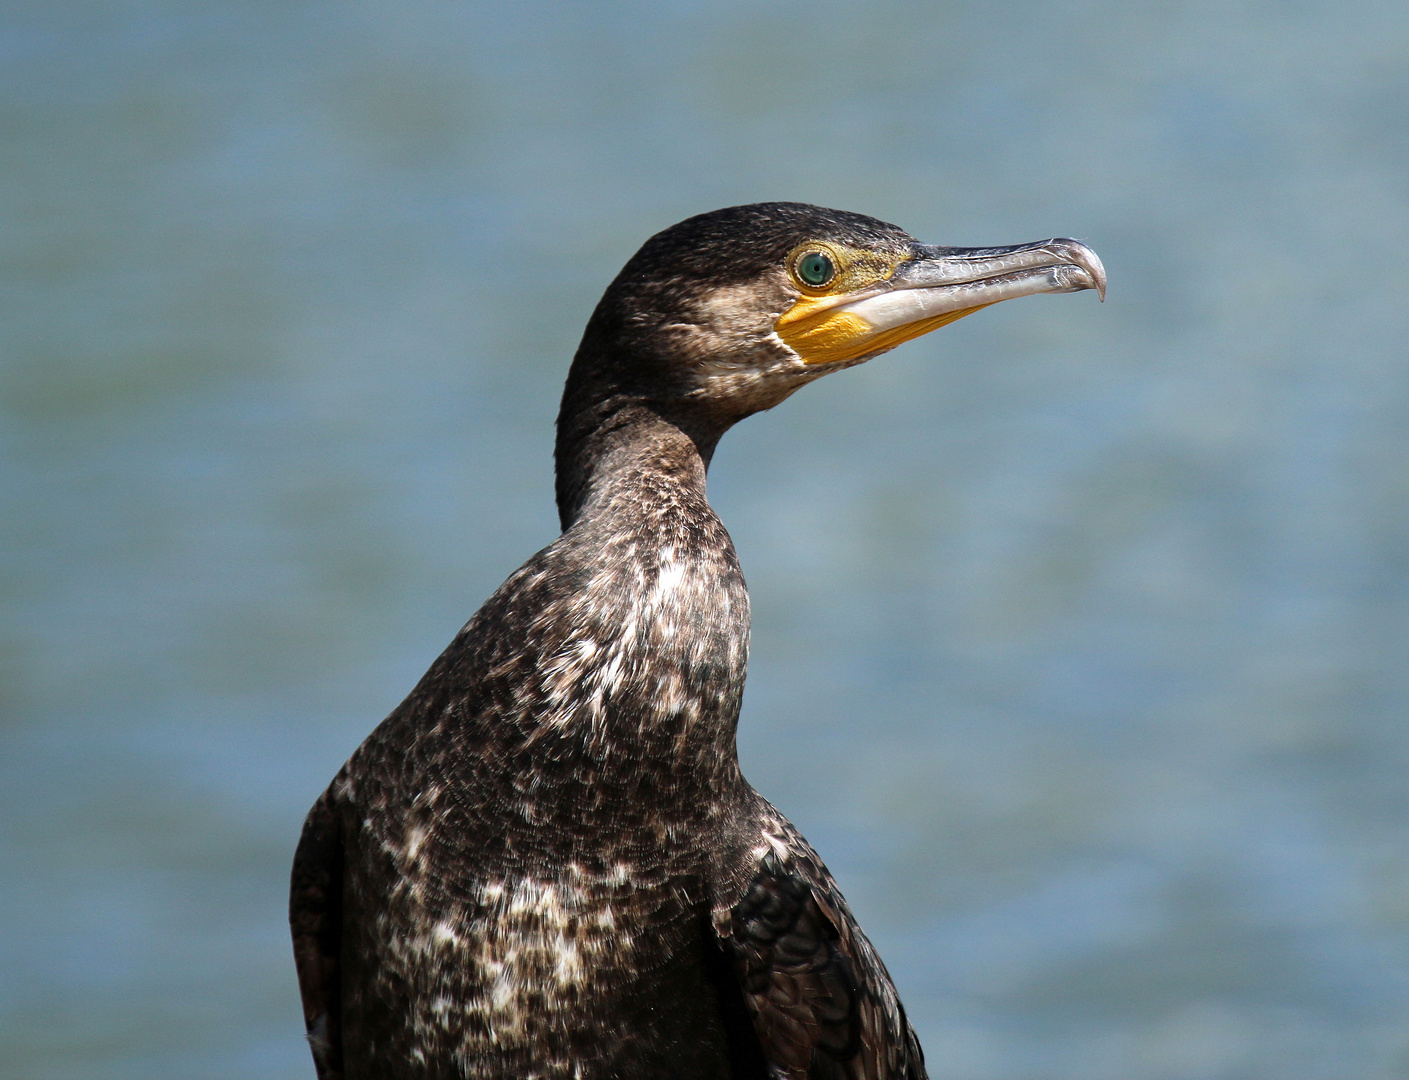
(545, 862)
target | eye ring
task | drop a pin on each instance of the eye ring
(814, 268)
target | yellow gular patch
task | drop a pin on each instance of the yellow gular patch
(829, 334)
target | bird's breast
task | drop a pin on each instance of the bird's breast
(652, 645)
(576, 963)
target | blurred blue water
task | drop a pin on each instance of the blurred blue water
(1080, 640)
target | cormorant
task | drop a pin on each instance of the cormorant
(545, 862)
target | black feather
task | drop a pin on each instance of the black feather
(545, 862)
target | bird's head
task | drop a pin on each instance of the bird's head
(729, 312)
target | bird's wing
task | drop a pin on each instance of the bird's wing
(822, 1002)
(315, 917)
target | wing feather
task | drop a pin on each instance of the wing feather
(823, 1004)
(315, 917)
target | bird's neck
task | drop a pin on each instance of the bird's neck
(632, 449)
(660, 604)
(618, 409)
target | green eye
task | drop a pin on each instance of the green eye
(815, 268)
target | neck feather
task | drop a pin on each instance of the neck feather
(659, 604)
(620, 441)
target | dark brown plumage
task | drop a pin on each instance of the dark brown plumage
(545, 862)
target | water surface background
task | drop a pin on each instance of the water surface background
(1080, 630)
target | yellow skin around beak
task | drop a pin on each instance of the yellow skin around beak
(829, 334)
(874, 302)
